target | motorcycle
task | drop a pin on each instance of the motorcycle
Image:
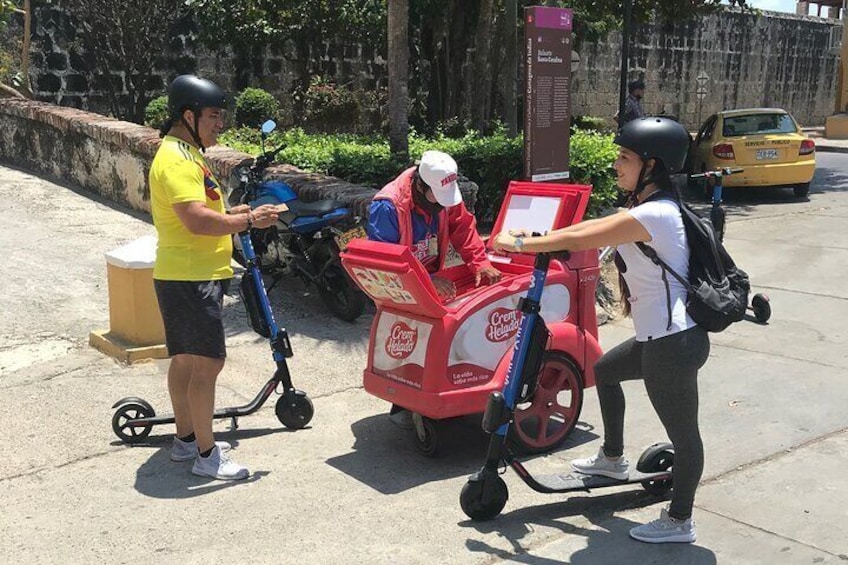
(306, 240)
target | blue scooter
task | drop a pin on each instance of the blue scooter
(760, 304)
(485, 494)
(306, 241)
(134, 417)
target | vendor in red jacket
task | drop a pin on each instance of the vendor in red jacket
(423, 208)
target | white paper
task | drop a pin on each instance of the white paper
(534, 213)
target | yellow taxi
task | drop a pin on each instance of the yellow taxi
(766, 142)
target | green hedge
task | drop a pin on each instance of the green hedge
(491, 161)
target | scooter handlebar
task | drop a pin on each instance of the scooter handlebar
(723, 172)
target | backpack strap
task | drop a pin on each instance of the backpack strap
(651, 254)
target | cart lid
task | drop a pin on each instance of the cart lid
(392, 277)
(539, 207)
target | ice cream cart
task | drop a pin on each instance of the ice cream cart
(441, 360)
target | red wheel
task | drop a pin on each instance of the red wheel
(546, 419)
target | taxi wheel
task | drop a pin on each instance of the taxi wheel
(802, 190)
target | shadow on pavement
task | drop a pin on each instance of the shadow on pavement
(387, 459)
(159, 477)
(608, 543)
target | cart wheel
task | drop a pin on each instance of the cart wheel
(426, 436)
(544, 422)
(294, 409)
(128, 411)
(483, 496)
(658, 457)
(762, 308)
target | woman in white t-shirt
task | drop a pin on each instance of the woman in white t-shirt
(668, 348)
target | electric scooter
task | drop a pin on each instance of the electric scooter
(760, 305)
(485, 494)
(134, 417)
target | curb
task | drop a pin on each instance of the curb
(831, 149)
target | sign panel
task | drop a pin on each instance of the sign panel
(547, 92)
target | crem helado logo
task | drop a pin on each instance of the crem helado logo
(401, 341)
(503, 324)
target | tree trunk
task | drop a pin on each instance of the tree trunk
(398, 27)
(481, 78)
(25, 84)
(510, 79)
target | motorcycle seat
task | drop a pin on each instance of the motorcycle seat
(319, 208)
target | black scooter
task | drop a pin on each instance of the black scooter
(485, 494)
(135, 417)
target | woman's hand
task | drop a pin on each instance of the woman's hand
(504, 242)
(520, 233)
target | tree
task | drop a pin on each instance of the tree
(123, 41)
(21, 86)
(398, 44)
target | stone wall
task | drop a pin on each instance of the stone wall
(769, 60)
(112, 158)
(775, 59)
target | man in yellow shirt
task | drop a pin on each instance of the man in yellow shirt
(192, 270)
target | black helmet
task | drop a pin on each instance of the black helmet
(656, 138)
(189, 92)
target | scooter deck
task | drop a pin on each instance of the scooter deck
(573, 481)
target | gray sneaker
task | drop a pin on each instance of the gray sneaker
(187, 450)
(665, 530)
(219, 466)
(602, 465)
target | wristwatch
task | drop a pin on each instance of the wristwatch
(519, 243)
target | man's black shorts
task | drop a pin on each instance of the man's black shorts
(192, 312)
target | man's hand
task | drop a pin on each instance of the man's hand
(240, 209)
(487, 274)
(444, 288)
(264, 216)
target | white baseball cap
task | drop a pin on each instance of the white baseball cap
(439, 171)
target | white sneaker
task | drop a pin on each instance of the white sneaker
(219, 466)
(665, 530)
(187, 450)
(602, 465)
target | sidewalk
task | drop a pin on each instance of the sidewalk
(352, 489)
(825, 145)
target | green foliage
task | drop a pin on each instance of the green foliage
(254, 106)
(156, 113)
(256, 23)
(328, 107)
(591, 156)
(491, 161)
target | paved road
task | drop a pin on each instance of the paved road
(352, 489)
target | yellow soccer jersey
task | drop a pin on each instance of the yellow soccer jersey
(179, 174)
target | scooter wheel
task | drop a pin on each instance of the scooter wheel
(483, 497)
(426, 436)
(658, 457)
(125, 414)
(761, 307)
(294, 410)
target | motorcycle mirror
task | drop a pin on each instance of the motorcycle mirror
(268, 127)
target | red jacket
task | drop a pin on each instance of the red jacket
(456, 224)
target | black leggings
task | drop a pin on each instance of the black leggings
(669, 367)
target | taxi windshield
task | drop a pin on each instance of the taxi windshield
(758, 124)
